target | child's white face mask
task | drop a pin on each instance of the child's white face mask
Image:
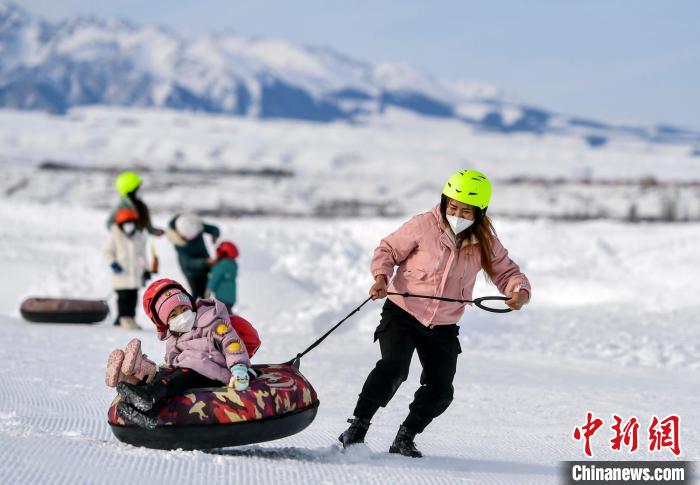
(183, 322)
(129, 228)
(459, 224)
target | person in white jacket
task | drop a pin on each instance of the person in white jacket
(126, 251)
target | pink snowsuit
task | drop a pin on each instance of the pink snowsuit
(211, 347)
(430, 264)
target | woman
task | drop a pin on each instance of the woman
(438, 253)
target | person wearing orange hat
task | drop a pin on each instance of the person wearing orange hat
(126, 251)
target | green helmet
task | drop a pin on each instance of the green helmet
(470, 187)
(127, 182)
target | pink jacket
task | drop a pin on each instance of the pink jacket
(429, 264)
(211, 347)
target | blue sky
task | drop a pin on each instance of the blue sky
(635, 61)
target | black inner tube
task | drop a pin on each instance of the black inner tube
(204, 437)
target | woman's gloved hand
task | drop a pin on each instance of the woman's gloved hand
(116, 267)
(239, 377)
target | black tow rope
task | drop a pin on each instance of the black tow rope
(295, 362)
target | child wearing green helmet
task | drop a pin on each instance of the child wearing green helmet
(437, 253)
(128, 184)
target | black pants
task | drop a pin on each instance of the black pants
(198, 284)
(172, 381)
(399, 334)
(126, 303)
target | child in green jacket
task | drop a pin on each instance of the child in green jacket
(186, 232)
(222, 277)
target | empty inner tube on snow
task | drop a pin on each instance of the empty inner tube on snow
(63, 310)
(280, 402)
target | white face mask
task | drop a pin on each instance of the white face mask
(183, 322)
(459, 224)
(129, 228)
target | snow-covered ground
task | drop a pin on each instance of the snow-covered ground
(612, 329)
(393, 164)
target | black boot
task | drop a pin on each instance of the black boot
(133, 415)
(403, 443)
(355, 433)
(139, 397)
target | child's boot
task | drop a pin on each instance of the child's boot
(128, 323)
(137, 364)
(133, 415)
(114, 366)
(114, 370)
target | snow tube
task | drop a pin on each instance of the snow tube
(279, 402)
(63, 310)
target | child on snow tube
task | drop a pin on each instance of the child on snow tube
(202, 350)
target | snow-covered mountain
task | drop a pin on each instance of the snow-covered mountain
(90, 61)
(86, 61)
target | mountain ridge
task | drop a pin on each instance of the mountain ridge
(87, 60)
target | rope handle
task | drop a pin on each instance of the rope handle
(477, 301)
(296, 360)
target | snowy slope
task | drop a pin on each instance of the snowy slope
(611, 330)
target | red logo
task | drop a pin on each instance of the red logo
(662, 433)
